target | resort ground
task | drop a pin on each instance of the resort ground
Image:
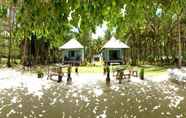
(24, 95)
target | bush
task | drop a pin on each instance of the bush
(40, 73)
(142, 74)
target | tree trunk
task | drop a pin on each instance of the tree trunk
(24, 53)
(9, 51)
(179, 45)
(9, 40)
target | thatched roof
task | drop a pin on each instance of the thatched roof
(115, 43)
(71, 44)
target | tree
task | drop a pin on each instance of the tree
(137, 23)
(8, 13)
(178, 8)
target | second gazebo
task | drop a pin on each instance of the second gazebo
(73, 52)
(113, 51)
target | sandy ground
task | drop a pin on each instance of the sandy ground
(94, 85)
(14, 78)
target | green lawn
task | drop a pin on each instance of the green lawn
(3, 62)
(89, 69)
(150, 70)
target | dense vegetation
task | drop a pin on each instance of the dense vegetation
(155, 30)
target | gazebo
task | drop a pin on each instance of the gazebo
(73, 52)
(113, 51)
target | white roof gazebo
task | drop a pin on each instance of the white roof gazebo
(115, 43)
(113, 51)
(73, 52)
(72, 44)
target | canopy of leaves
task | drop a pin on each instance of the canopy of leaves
(133, 19)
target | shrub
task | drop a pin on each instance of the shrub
(40, 73)
(142, 74)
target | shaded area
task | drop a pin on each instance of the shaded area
(92, 98)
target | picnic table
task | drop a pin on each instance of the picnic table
(118, 69)
(124, 73)
(56, 70)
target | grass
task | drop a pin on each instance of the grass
(14, 63)
(90, 69)
(81, 69)
(150, 70)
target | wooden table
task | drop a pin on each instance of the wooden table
(56, 71)
(121, 73)
(118, 69)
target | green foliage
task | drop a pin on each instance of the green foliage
(140, 27)
(141, 73)
(40, 72)
(3, 11)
